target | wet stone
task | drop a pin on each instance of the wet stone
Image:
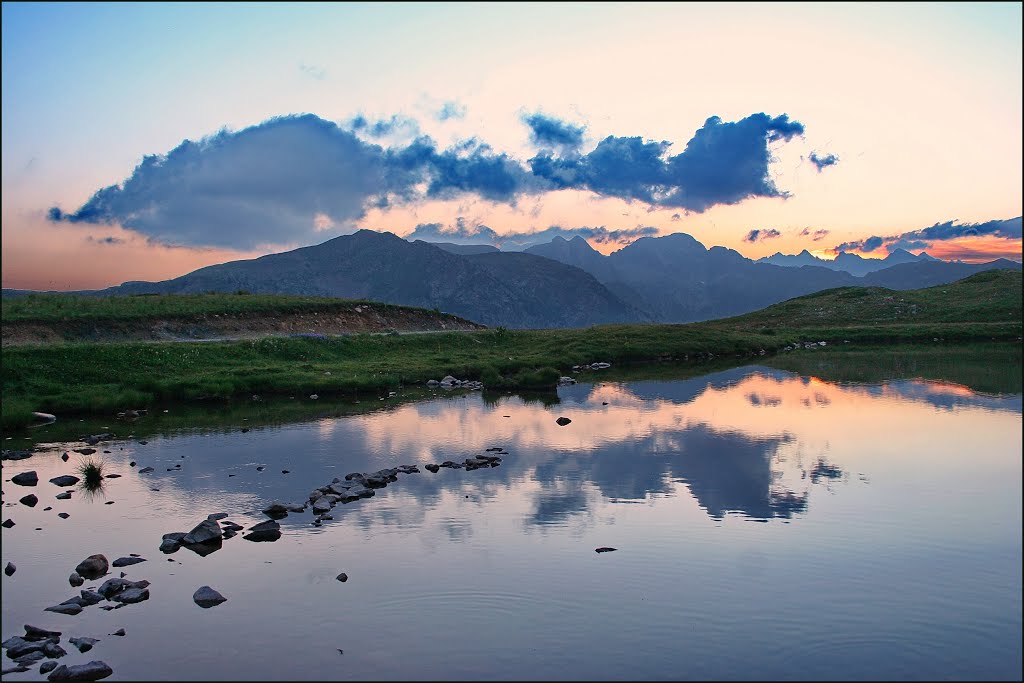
(64, 480)
(207, 597)
(93, 671)
(29, 478)
(93, 567)
(127, 561)
(83, 644)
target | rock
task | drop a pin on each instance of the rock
(10, 568)
(132, 595)
(285, 471)
(205, 548)
(64, 496)
(408, 469)
(127, 561)
(206, 597)
(75, 579)
(354, 475)
(14, 670)
(604, 549)
(314, 396)
(113, 476)
(217, 516)
(563, 421)
(64, 480)
(83, 644)
(53, 650)
(29, 478)
(47, 666)
(85, 451)
(433, 468)
(64, 457)
(145, 470)
(260, 468)
(34, 633)
(89, 597)
(171, 542)
(119, 632)
(93, 671)
(8, 523)
(93, 567)
(70, 608)
(322, 504)
(205, 531)
(112, 587)
(563, 381)
(63, 515)
(267, 531)
(18, 647)
(432, 382)
(343, 577)
(30, 658)
(295, 507)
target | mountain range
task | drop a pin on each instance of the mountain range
(562, 283)
(845, 261)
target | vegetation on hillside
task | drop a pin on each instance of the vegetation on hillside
(103, 378)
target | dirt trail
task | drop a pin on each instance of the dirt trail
(356, 320)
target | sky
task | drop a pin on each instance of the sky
(143, 141)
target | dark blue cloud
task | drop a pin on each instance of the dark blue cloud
(724, 163)
(451, 110)
(110, 239)
(546, 131)
(823, 162)
(270, 184)
(762, 234)
(923, 238)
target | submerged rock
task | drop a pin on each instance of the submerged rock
(207, 597)
(93, 671)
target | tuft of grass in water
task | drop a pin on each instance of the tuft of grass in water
(91, 472)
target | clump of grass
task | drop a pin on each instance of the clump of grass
(91, 472)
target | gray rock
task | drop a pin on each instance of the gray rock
(19, 647)
(207, 597)
(93, 671)
(433, 468)
(29, 478)
(204, 532)
(275, 508)
(264, 532)
(47, 666)
(119, 632)
(76, 579)
(14, 670)
(83, 644)
(53, 650)
(322, 504)
(127, 561)
(93, 567)
(10, 568)
(30, 658)
(130, 596)
(112, 587)
(64, 480)
(34, 633)
(217, 516)
(70, 608)
(89, 597)
(63, 515)
(64, 496)
(145, 470)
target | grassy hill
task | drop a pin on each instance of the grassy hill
(105, 377)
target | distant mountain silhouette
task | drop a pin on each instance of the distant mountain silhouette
(851, 263)
(562, 283)
(514, 290)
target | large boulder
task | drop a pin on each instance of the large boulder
(92, 567)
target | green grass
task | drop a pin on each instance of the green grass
(66, 308)
(104, 378)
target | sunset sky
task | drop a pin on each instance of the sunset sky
(142, 141)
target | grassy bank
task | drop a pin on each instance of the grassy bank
(103, 378)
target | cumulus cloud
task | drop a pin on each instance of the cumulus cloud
(815, 235)
(823, 162)
(464, 233)
(924, 238)
(724, 163)
(762, 234)
(549, 132)
(451, 110)
(292, 179)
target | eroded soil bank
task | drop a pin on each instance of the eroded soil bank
(361, 318)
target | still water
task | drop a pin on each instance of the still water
(768, 525)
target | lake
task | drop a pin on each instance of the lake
(768, 524)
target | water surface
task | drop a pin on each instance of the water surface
(768, 525)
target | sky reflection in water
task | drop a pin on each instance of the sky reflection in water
(888, 542)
